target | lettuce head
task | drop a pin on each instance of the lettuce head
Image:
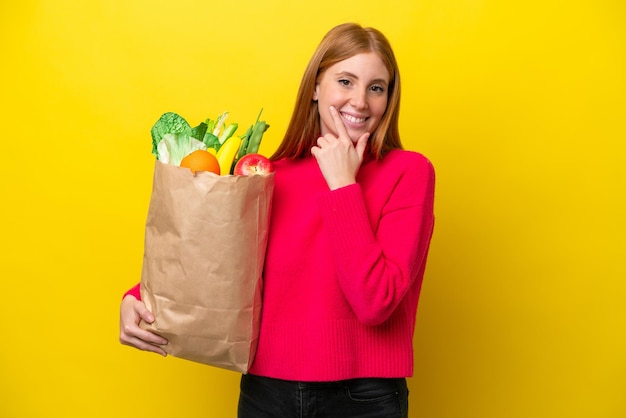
(172, 139)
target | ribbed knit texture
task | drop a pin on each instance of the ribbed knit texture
(344, 269)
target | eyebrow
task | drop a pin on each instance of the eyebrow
(349, 74)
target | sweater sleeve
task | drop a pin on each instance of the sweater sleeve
(378, 261)
(133, 291)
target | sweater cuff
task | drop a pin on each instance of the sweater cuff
(133, 291)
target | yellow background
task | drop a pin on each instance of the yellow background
(520, 106)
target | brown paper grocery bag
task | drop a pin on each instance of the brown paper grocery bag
(205, 244)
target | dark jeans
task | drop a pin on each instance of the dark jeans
(262, 397)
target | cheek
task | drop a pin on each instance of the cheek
(329, 97)
(379, 107)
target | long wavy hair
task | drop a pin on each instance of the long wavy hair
(340, 43)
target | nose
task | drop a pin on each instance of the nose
(359, 98)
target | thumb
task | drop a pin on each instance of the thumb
(144, 313)
(361, 144)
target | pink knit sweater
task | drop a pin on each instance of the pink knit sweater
(344, 270)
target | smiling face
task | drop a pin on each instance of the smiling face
(358, 88)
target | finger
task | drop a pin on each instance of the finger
(132, 334)
(144, 313)
(155, 349)
(361, 145)
(150, 337)
(145, 346)
(340, 127)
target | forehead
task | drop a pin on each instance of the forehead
(366, 65)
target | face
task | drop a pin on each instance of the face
(357, 88)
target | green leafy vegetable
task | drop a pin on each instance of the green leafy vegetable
(199, 131)
(211, 141)
(173, 138)
(174, 147)
(168, 123)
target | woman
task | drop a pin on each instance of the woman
(352, 218)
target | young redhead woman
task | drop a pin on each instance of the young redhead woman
(352, 219)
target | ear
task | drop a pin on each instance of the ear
(315, 92)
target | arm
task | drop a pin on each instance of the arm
(377, 264)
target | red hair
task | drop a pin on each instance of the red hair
(340, 43)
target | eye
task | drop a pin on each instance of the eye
(344, 81)
(377, 88)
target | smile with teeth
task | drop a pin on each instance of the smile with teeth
(353, 119)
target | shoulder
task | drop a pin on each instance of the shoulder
(408, 159)
(400, 163)
(408, 175)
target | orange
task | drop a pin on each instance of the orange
(201, 160)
